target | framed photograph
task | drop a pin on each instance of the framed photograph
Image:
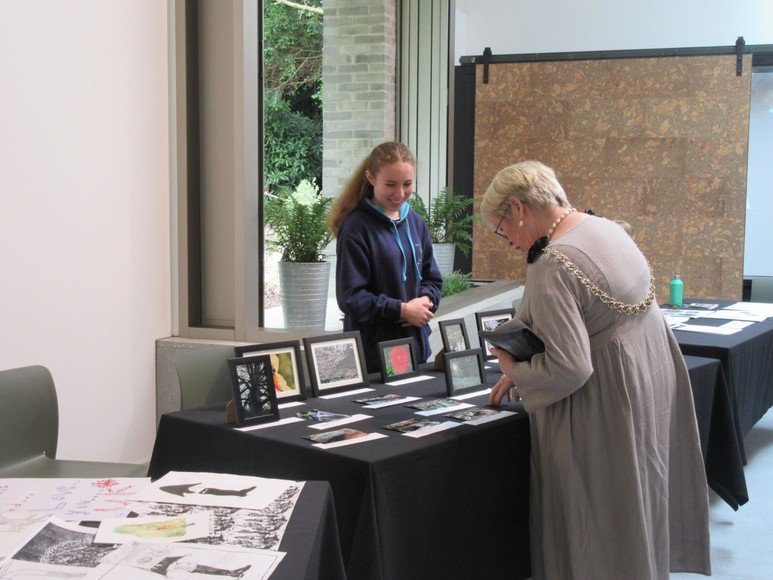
(454, 335)
(253, 387)
(398, 359)
(489, 321)
(336, 362)
(286, 366)
(464, 370)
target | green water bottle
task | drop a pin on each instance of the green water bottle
(675, 291)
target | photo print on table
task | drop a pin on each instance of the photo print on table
(336, 362)
(488, 321)
(253, 389)
(398, 359)
(286, 366)
(454, 335)
(464, 370)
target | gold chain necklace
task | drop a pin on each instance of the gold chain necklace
(623, 308)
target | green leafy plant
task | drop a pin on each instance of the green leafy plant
(299, 223)
(448, 218)
(455, 283)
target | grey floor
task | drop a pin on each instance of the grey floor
(741, 541)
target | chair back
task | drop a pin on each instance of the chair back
(205, 377)
(762, 289)
(29, 414)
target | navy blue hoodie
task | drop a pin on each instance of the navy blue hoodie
(382, 263)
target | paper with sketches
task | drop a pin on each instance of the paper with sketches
(57, 549)
(155, 529)
(27, 503)
(135, 561)
(214, 489)
(256, 529)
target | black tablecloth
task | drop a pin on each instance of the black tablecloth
(719, 436)
(747, 362)
(311, 538)
(452, 504)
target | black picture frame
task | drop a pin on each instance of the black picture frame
(453, 333)
(398, 359)
(464, 370)
(489, 320)
(254, 394)
(336, 362)
(286, 363)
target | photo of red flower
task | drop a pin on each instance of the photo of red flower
(399, 360)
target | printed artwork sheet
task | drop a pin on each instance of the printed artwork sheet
(27, 503)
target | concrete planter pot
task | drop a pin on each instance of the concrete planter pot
(303, 289)
(444, 256)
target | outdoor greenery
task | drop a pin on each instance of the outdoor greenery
(299, 223)
(455, 283)
(448, 218)
(292, 34)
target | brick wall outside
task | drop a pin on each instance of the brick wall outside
(359, 84)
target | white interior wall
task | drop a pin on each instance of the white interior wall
(526, 26)
(84, 211)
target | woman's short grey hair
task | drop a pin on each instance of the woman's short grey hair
(531, 182)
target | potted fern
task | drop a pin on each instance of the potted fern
(299, 232)
(450, 225)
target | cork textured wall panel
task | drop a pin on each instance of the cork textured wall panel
(658, 142)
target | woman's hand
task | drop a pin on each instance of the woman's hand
(504, 386)
(417, 312)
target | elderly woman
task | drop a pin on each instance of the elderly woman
(618, 487)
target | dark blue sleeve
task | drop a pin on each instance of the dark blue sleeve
(353, 275)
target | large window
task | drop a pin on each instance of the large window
(222, 94)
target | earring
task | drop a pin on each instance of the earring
(520, 224)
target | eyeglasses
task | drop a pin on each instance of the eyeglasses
(496, 230)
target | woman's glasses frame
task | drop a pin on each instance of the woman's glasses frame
(496, 230)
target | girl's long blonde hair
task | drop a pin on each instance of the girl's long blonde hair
(358, 187)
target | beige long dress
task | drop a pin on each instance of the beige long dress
(618, 487)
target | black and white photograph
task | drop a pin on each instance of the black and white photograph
(488, 321)
(253, 387)
(464, 370)
(454, 335)
(286, 367)
(336, 363)
(60, 549)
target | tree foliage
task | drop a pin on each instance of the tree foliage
(293, 85)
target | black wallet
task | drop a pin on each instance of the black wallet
(516, 338)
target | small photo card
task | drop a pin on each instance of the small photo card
(321, 416)
(335, 436)
(412, 424)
